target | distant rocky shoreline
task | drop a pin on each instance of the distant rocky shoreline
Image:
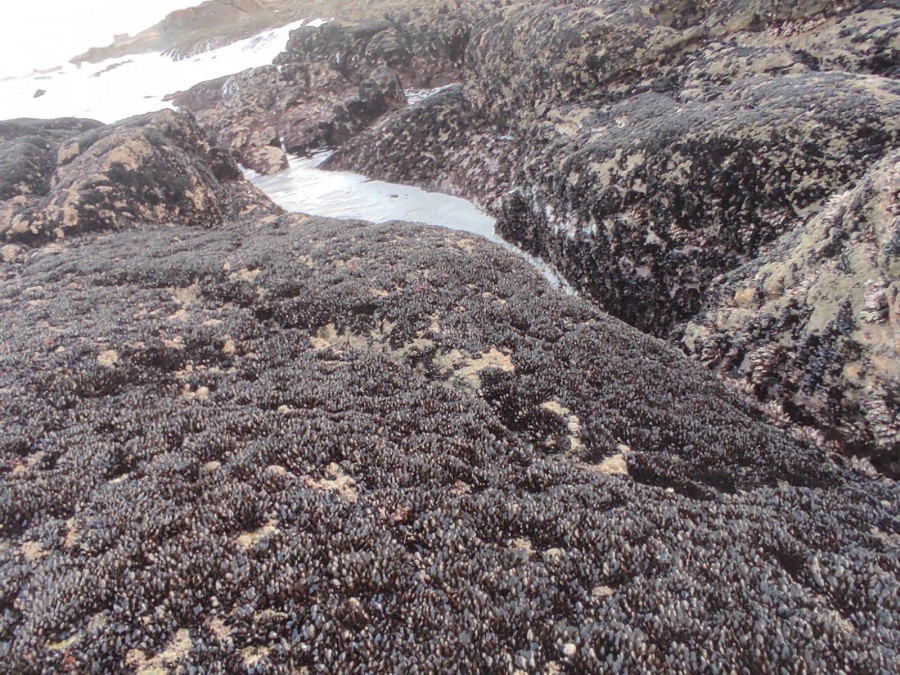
(241, 440)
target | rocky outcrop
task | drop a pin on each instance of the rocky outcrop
(28, 151)
(332, 82)
(154, 168)
(810, 326)
(243, 113)
(378, 94)
(644, 202)
(195, 29)
(207, 15)
(429, 144)
(286, 442)
(655, 146)
(426, 44)
(659, 147)
(260, 114)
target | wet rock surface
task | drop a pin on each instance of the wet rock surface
(72, 176)
(289, 442)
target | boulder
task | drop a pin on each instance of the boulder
(259, 113)
(240, 113)
(379, 93)
(28, 153)
(152, 168)
(332, 82)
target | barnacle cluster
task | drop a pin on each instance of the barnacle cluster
(331, 447)
(806, 326)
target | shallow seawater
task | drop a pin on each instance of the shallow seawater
(339, 194)
(306, 188)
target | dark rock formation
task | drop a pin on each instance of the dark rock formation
(644, 202)
(429, 144)
(242, 113)
(332, 82)
(299, 444)
(155, 168)
(811, 325)
(658, 147)
(258, 113)
(377, 95)
(28, 151)
(426, 45)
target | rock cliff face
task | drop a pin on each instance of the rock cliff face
(288, 443)
(811, 325)
(650, 150)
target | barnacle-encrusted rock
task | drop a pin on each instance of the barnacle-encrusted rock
(260, 113)
(643, 202)
(425, 42)
(378, 94)
(646, 149)
(153, 168)
(244, 113)
(332, 81)
(28, 153)
(811, 325)
(429, 144)
(655, 145)
(289, 442)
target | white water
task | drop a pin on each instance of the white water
(137, 84)
(305, 188)
(40, 34)
(338, 194)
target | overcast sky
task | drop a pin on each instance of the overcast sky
(46, 33)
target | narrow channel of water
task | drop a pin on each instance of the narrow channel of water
(305, 188)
